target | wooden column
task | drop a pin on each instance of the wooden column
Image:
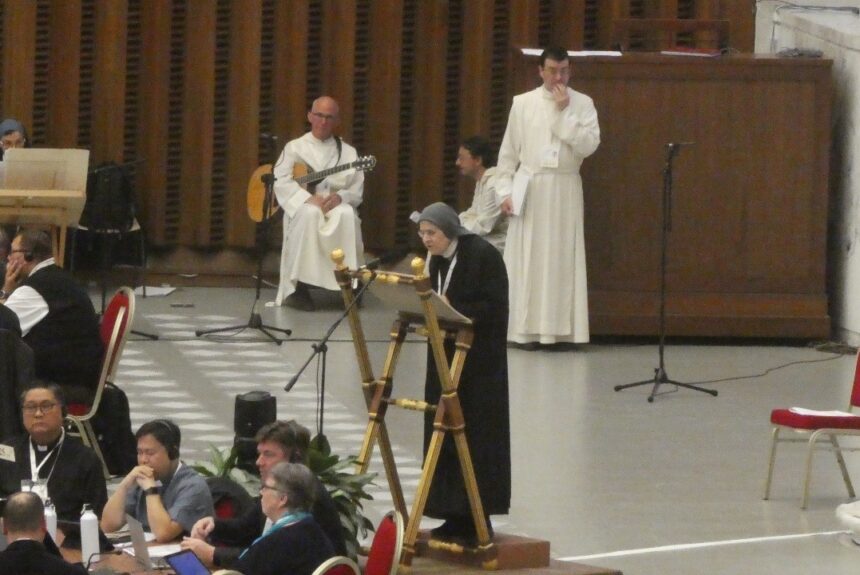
(243, 121)
(154, 76)
(291, 69)
(337, 61)
(197, 123)
(428, 137)
(19, 54)
(64, 74)
(383, 116)
(108, 99)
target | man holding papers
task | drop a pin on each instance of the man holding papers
(551, 130)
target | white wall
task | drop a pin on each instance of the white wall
(837, 35)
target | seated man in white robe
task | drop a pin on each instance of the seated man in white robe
(322, 218)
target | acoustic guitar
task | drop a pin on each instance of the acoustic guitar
(258, 212)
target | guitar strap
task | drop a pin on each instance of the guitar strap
(339, 144)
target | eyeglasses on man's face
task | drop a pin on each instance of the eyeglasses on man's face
(271, 487)
(43, 407)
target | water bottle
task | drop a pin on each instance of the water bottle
(51, 519)
(89, 534)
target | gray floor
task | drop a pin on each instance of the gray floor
(609, 479)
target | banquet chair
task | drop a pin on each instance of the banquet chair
(387, 546)
(338, 565)
(114, 328)
(816, 429)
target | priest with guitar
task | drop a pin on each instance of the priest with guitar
(318, 217)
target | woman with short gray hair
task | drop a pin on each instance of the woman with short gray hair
(294, 544)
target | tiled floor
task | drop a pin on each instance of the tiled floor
(609, 479)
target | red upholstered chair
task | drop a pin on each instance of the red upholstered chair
(814, 428)
(338, 566)
(115, 325)
(387, 546)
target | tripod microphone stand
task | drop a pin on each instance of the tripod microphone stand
(660, 375)
(321, 348)
(256, 321)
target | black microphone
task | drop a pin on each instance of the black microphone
(671, 145)
(390, 257)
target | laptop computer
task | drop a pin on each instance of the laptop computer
(138, 542)
(186, 563)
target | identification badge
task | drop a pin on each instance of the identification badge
(7, 453)
(549, 157)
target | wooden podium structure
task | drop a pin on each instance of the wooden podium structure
(44, 187)
(422, 311)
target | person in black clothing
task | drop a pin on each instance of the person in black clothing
(24, 527)
(67, 471)
(218, 542)
(56, 315)
(294, 543)
(469, 273)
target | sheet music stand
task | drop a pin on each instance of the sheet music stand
(420, 310)
(45, 186)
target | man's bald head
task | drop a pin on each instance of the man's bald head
(324, 117)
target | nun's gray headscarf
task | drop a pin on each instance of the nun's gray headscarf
(12, 125)
(445, 218)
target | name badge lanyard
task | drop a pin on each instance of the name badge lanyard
(34, 468)
(443, 285)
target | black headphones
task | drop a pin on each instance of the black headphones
(172, 438)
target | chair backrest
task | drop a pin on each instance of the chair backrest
(338, 565)
(855, 391)
(115, 325)
(119, 313)
(386, 547)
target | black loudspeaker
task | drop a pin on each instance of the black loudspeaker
(252, 411)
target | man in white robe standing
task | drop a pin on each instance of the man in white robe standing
(319, 221)
(550, 131)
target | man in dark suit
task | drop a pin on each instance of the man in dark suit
(24, 527)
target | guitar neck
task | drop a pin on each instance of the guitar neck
(322, 174)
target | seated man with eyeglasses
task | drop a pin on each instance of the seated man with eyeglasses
(49, 462)
(321, 217)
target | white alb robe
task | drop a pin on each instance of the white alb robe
(484, 217)
(309, 235)
(545, 248)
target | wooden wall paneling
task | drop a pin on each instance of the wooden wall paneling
(337, 60)
(428, 137)
(523, 34)
(154, 109)
(108, 96)
(568, 24)
(747, 248)
(243, 119)
(607, 12)
(476, 68)
(742, 17)
(19, 45)
(197, 123)
(383, 116)
(291, 68)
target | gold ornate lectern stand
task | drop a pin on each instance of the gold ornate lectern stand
(422, 311)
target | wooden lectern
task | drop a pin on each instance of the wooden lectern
(422, 311)
(44, 187)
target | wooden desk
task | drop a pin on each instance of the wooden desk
(55, 208)
(747, 251)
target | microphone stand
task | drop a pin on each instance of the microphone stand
(256, 321)
(321, 348)
(660, 375)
